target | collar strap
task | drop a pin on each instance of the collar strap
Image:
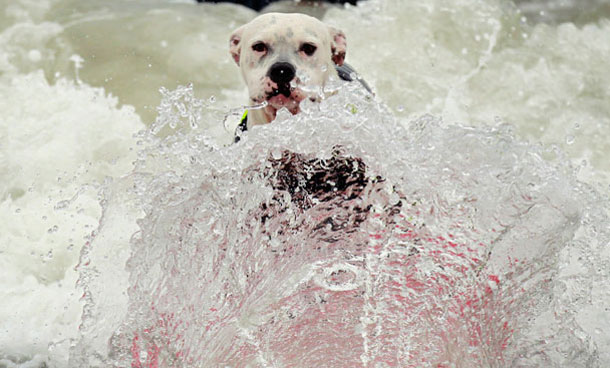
(242, 127)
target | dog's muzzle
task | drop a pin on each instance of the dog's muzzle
(282, 74)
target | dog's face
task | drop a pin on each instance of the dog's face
(285, 58)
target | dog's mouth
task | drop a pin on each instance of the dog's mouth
(282, 89)
(284, 96)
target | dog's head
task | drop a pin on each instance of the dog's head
(285, 58)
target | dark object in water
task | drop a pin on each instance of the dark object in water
(259, 4)
(334, 186)
(337, 189)
(311, 180)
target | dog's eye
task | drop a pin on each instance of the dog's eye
(308, 49)
(259, 47)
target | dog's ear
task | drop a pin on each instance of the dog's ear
(235, 44)
(338, 45)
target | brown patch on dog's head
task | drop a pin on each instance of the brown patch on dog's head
(338, 45)
(235, 44)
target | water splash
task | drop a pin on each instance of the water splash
(342, 237)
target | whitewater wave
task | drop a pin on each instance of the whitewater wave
(344, 237)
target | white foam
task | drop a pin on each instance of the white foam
(57, 142)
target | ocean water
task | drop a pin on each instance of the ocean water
(468, 226)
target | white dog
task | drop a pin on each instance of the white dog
(285, 58)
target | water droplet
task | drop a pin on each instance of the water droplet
(570, 139)
(400, 108)
(34, 55)
(78, 61)
(53, 229)
(274, 242)
(61, 205)
(212, 99)
(276, 153)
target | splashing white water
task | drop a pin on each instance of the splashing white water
(428, 245)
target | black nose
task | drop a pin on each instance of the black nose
(281, 72)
